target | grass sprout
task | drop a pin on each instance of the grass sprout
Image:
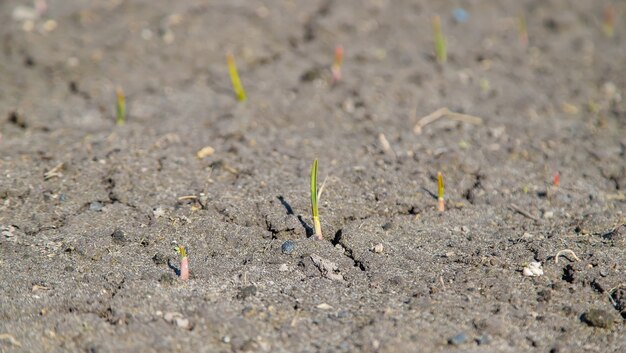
(240, 93)
(184, 263)
(608, 24)
(440, 41)
(120, 107)
(337, 63)
(522, 30)
(557, 179)
(314, 198)
(440, 193)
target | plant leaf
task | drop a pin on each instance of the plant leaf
(314, 188)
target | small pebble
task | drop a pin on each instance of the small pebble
(169, 316)
(23, 13)
(378, 248)
(483, 339)
(205, 152)
(283, 268)
(458, 339)
(146, 34)
(176, 318)
(119, 236)
(548, 214)
(246, 292)
(95, 206)
(7, 231)
(28, 26)
(324, 306)
(182, 322)
(49, 25)
(288, 247)
(158, 212)
(460, 15)
(226, 339)
(533, 270)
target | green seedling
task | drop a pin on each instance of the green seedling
(240, 93)
(337, 63)
(184, 263)
(608, 24)
(522, 30)
(557, 179)
(441, 206)
(440, 41)
(120, 107)
(314, 198)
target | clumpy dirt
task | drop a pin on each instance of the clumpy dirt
(91, 212)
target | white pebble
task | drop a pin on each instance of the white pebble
(533, 270)
(324, 306)
(24, 13)
(182, 322)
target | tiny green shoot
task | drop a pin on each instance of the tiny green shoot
(337, 63)
(240, 93)
(522, 30)
(181, 251)
(120, 108)
(440, 193)
(557, 179)
(184, 262)
(608, 24)
(440, 41)
(314, 198)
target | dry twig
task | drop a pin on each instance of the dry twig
(612, 290)
(54, 172)
(522, 212)
(440, 113)
(10, 338)
(565, 251)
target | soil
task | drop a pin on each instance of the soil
(91, 211)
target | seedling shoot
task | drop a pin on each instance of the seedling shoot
(608, 24)
(120, 108)
(337, 62)
(440, 41)
(557, 179)
(314, 196)
(522, 30)
(240, 93)
(440, 193)
(184, 263)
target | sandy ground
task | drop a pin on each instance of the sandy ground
(91, 212)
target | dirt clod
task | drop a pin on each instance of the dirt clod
(458, 339)
(246, 292)
(119, 237)
(598, 318)
(85, 203)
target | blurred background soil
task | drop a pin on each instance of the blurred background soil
(90, 212)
